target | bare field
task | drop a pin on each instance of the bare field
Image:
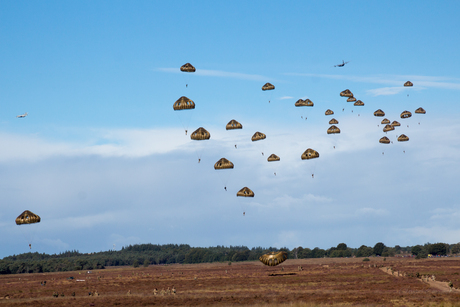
(331, 281)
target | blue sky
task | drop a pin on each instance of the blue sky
(103, 158)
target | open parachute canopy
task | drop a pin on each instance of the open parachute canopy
(384, 140)
(351, 99)
(403, 138)
(333, 130)
(258, 136)
(408, 83)
(406, 114)
(273, 158)
(385, 121)
(309, 154)
(187, 68)
(304, 103)
(388, 128)
(233, 124)
(27, 217)
(183, 103)
(223, 164)
(245, 192)
(200, 134)
(268, 86)
(273, 258)
(329, 112)
(333, 122)
(395, 123)
(379, 113)
(420, 111)
(359, 103)
(346, 93)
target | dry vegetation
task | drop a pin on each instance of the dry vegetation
(325, 281)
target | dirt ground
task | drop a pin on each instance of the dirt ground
(320, 282)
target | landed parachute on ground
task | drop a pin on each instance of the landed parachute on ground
(329, 112)
(245, 192)
(385, 121)
(379, 113)
(420, 111)
(333, 122)
(258, 136)
(233, 124)
(268, 86)
(346, 93)
(187, 68)
(273, 258)
(183, 103)
(395, 123)
(351, 99)
(408, 83)
(309, 154)
(273, 158)
(304, 103)
(27, 217)
(223, 164)
(403, 138)
(406, 114)
(359, 103)
(333, 130)
(388, 128)
(384, 140)
(200, 134)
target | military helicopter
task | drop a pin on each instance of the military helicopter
(341, 65)
(22, 115)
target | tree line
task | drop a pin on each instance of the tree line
(148, 254)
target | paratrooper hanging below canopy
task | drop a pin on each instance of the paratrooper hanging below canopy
(310, 154)
(233, 124)
(200, 134)
(268, 86)
(183, 103)
(273, 158)
(187, 68)
(245, 192)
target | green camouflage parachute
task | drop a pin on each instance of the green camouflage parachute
(200, 134)
(233, 124)
(273, 158)
(420, 111)
(333, 130)
(187, 68)
(359, 103)
(351, 99)
(183, 103)
(395, 123)
(273, 258)
(268, 86)
(379, 113)
(27, 217)
(346, 93)
(258, 136)
(245, 192)
(388, 128)
(333, 122)
(329, 112)
(408, 83)
(304, 103)
(223, 164)
(310, 154)
(403, 138)
(384, 140)
(406, 114)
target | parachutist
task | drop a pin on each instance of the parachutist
(383, 153)
(199, 160)
(225, 188)
(419, 123)
(235, 146)
(274, 173)
(186, 85)
(269, 101)
(404, 151)
(30, 246)
(312, 175)
(262, 153)
(334, 146)
(186, 132)
(407, 126)
(244, 213)
(343, 109)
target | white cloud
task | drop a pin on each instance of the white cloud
(385, 91)
(286, 97)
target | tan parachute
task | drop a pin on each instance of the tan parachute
(395, 123)
(273, 158)
(273, 258)
(200, 134)
(388, 128)
(233, 124)
(406, 114)
(379, 113)
(384, 140)
(304, 103)
(245, 192)
(351, 99)
(309, 154)
(187, 68)
(333, 130)
(258, 136)
(420, 111)
(333, 122)
(223, 164)
(385, 121)
(268, 86)
(329, 112)
(408, 83)
(27, 217)
(346, 93)
(183, 103)
(359, 103)
(403, 138)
